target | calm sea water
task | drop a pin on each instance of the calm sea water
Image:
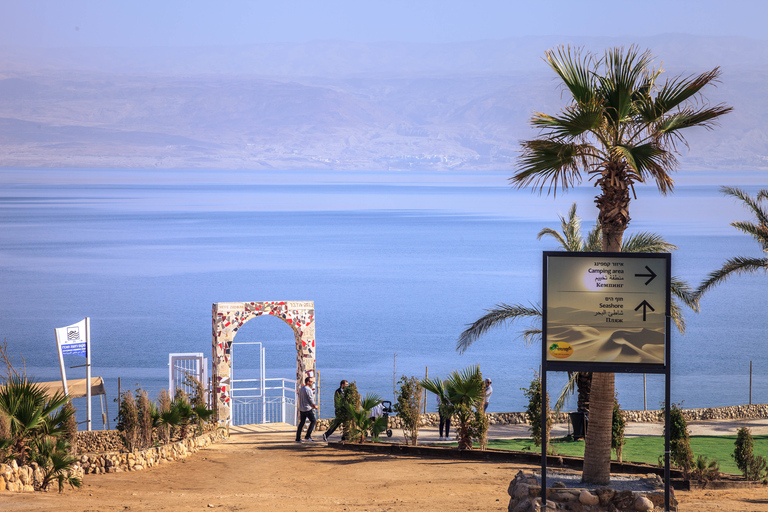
(397, 264)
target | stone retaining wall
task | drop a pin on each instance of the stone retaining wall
(733, 412)
(15, 478)
(116, 462)
(28, 478)
(99, 441)
(525, 496)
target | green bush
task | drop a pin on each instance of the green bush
(350, 400)
(533, 410)
(617, 431)
(408, 408)
(681, 454)
(128, 421)
(753, 467)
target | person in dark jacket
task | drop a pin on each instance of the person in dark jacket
(337, 405)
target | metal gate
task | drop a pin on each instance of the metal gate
(182, 366)
(256, 399)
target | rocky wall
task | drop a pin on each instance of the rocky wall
(116, 462)
(525, 496)
(99, 441)
(28, 478)
(15, 478)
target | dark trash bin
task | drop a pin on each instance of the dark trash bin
(579, 423)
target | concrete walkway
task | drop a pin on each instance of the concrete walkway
(696, 428)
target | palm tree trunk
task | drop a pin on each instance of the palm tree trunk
(613, 203)
(597, 450)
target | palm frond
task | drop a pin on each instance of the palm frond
(687, 118)
(754, 205)
(648, 160)
(568, 389)
(594, 241)
(551, 163)
(574, 121)
(496, 317)
(737, 265)
(646, 242)
(575, 71)
(676, 91)
(569, 237)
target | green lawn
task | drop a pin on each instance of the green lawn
(647, 449)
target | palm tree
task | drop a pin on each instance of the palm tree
(362, 421)
(758, 230)
(465, 392)
(570, 239)
(620, 128)
(32, 415)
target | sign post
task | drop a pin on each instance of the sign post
(75, 340)
(606, 312)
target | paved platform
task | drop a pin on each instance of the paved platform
(431, 434)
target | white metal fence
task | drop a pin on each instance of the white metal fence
(256, 399)
(181, 366)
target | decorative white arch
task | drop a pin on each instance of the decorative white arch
(229, 317)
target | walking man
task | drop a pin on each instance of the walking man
(338, 407)
(306, 407)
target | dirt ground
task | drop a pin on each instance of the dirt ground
(261, 468)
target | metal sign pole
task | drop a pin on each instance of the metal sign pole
(543, 386)
(88, 369)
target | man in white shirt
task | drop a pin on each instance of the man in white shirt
(306, 407)
(488, 391)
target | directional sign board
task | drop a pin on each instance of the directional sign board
(606, 309)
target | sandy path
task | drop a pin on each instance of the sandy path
(262, 469)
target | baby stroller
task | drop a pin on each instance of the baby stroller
(383, 410)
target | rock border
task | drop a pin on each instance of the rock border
(525, 496)
(16, 478)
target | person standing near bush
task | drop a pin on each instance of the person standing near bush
(306, 407)
(488, 391)
(338, 407)
(444, 413)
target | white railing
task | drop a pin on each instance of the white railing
(181, 366)
(266, 401)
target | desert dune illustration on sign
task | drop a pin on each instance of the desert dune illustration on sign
(608, 309)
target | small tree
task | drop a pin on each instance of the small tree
(617, 433)
(350, 400)
(533, 411)
(751, 466)
(408, 407)
(163, 408)
(146, 421)
(128, 421)
(680, 454)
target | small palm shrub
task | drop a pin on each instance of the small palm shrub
(617, 431)
(753, 467)
(55, 458)
(533, 410)
(464, 391)
(361, 422)
(408, 408)
(31, 414)
(704, 469)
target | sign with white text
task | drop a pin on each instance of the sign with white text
(606, 307)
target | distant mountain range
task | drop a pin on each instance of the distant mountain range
(334, 104)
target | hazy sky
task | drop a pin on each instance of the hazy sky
(201, 23)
